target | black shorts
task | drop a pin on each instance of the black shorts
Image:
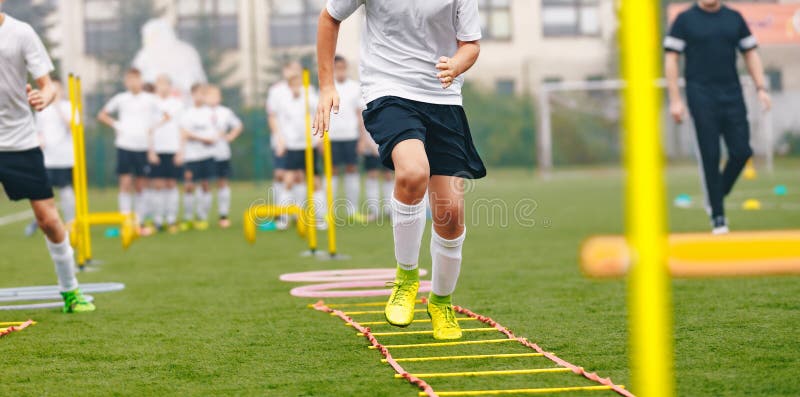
(442, 128)
(278, 162)
(166, 168)
(222, 169)
(59, 177)
(132, 163)
(23, 175)
(372, 163)
(201, 170)
(344, 152)
(296, 161)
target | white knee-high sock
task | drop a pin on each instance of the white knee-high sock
(408, 223)
(158, 205)
(172, 198)
(199, 205)
(352, 190)
(125, 201)
(320, 204)
(188, 206)
(140, 206)
(224, 201)
(279, 192)
(335, 185)
(64, 262)
(372, 193)
(446, 256)
(67, 200)
(208, 201)
(299, 195)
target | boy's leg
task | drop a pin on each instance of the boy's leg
(188, 199)
(352, 187)
(62, 255)
(372, 193)
(388, 191)
(447, 238)
(66, 198)
(140, 201)
(223, 201)
(159, 201)
(736, 132)
(408, 224)
(125, 198)
(173, 198)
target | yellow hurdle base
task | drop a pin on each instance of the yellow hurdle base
(466, 357)
(487, 373)
(518, 391)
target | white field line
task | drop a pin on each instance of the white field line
(17, 217)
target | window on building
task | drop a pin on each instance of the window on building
(570, 18)
(294, 23)
(217, 20)
(504, 86)
(102, 26)
(495, 19)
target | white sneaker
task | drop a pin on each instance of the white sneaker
(719, 226)
(282, 223)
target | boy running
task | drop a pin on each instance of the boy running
(199, 137)
(415, 52)
(138, 113)
(22, 170)
(228, 127)
(344, 134)
(165, 166)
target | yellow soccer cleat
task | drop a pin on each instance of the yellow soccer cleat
(201, 225)
(399, 309)
(443, 321)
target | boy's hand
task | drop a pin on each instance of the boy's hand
(448, 71)
(35, 98)
(152, 157)
(178, 159)
(328, 102)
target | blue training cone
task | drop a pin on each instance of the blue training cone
(683, 201)
(780, 190)
(112, 232)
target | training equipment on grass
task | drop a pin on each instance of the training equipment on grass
(780, 190)
(9, 327)
(80, 228)
(347, 283)
(751, 205)
(386, 274)
(508, 338)
(49, 293)
(683, 201)
(702, 254)
(306, 217)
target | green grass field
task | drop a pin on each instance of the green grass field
(205, 314)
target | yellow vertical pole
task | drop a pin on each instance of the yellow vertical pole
(330, 216)
(81, 159)
(73, 123)
(310, 210)
(649, 301)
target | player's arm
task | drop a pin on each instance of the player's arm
(327, 36)
(672, 73)
(464, 58)
(363, 136)
(756, 69)
(235, 132)
(105, 114)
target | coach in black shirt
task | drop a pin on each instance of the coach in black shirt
(709, 34)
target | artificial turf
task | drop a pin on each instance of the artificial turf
(203, 313)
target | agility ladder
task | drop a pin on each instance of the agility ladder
(9, 327)
(418, 379)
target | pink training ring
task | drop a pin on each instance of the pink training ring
(324, 276)
(345, 289)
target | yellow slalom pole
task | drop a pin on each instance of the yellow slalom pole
(311, 218)
(76, 171)
(649, 302)
(330, 216)
(401, 333)
(487, 373)
(466, 357)
(81, 159)
(442, 344)
(546, 390)
(422, 320)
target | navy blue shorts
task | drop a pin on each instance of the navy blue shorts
(296, 161)
(442, 128)
(372, 163)
(166, 168)
(278, 162)
(59, 177)
(222, 169)
(344, 152)
(201, 170)
(23, 175)
(132, 163)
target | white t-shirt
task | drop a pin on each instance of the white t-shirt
(21, 52)
(167, 138)
(345, 126)
(136, 115)
(277, 93)
(224, 121)
(291, 112)
(402, 43)
(56, 136)
(197, 121)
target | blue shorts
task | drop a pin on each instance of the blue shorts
(372, 163)
(166, 168)
(222, 169)
(23, 175)
(442, 128)
(344, 152)
(201, 170)
(296, 161)
(132, 163)
(278, 162)
(60, 177)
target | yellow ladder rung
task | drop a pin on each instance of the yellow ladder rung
(375, 312)
(467, 357)
(519, 391)
(488, 373)
(423, 320)
(14, 323)
(458, 343)
(428, 332)
(363, 304)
